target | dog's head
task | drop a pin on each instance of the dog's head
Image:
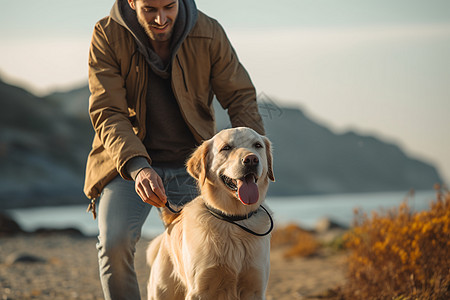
(233, 169)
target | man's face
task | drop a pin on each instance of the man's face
(157, 17)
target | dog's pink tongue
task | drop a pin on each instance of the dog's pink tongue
(248, 190)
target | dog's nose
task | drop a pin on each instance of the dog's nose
(250, 160)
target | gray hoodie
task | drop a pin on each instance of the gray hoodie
(123, 14)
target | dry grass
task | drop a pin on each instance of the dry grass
(297, 241)
(400, 254)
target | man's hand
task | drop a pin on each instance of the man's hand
(150, 188)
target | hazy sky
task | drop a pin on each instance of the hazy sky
(378, 67)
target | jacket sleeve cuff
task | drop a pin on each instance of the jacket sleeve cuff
(135, 165)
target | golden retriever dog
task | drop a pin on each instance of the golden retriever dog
(218, 246)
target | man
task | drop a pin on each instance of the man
(154, 67)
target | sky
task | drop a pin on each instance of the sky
(379, 68)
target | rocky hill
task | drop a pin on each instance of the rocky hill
(311, 159)
(44, 143)
(42, 151)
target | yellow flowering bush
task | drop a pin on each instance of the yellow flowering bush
(295, 241)
(400, 254)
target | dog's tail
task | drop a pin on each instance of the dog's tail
(153, 249)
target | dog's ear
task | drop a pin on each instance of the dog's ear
(197, 165)
(269, 158)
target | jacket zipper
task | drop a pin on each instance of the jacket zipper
(182, 73)
(129, 68)
(143, 104)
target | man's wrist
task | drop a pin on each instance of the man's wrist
(135, 165)
(139, 171)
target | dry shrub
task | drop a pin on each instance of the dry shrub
(297, 241)
(401, 254)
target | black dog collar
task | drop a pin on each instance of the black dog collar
(232, 219)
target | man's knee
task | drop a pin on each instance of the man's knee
(118, 245)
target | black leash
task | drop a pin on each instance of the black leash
(231, 219)
(173, 210)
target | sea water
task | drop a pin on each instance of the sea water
(303, 210)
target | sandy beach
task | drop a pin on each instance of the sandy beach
(66, 268)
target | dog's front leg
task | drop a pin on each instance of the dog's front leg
(218, 283)
(253, 295)
(253, 283)
(162, 284)
(205, 295)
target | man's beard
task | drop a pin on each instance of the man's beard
(158, 37)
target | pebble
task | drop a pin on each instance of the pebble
(23, 258)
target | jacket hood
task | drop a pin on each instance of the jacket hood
(123, 14)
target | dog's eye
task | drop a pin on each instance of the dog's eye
(226, 148)
(258, 145)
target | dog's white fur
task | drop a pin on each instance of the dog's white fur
(201, 257)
